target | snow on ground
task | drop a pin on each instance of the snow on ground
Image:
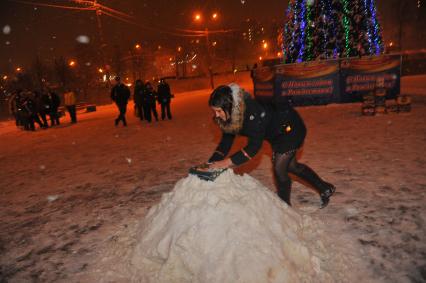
(73, 195)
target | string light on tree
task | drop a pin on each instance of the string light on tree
(325, 29)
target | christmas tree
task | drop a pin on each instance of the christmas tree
(362, 27)
(298, 32)
(328, 39)
(326, 29)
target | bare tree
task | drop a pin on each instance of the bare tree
(117, 63)
(62, 71)
(39, 72)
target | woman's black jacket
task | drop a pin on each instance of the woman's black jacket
(279, 124)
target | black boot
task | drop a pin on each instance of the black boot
(284, 191)
(326, 190)
(326, 194)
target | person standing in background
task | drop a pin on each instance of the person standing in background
(164, 98)
(120, 94)
(70, 102)
(54, 102)
(150, 106)
(138, 98)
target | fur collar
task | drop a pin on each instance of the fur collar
(238, 108)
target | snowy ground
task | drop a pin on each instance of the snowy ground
(69, 193)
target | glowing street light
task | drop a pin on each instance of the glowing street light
(18, 69)
(214, 16)
(260, 58)
(197, 17)
(72, 63)
(265, 45)
(4, 77)
(137, 46)
(179, 49)
(100, 70)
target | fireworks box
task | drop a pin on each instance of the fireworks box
(380, 103)
(368, 104)
(404, 103)
(392, 106)
(380, 96)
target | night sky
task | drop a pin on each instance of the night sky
(53, 31)
(28, 30)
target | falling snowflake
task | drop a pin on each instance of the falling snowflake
(6, 29)
(129, 160)
(84, 39)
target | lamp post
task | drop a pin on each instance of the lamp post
(265, 48)
(198, 19)
(135, 58)
(103, 45)
(138, 59)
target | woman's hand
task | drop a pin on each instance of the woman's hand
(226, 163)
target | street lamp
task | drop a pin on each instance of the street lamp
(198, 19)
(180, 62)
(135, 56)
(71, 63)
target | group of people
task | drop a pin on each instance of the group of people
(31, 107)
(36, 107)
(145, 100)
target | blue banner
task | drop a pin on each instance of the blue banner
(309, 83)
(263, 80)
(358, 76)
(328, 81)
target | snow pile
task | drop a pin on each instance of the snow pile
(230, 230)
